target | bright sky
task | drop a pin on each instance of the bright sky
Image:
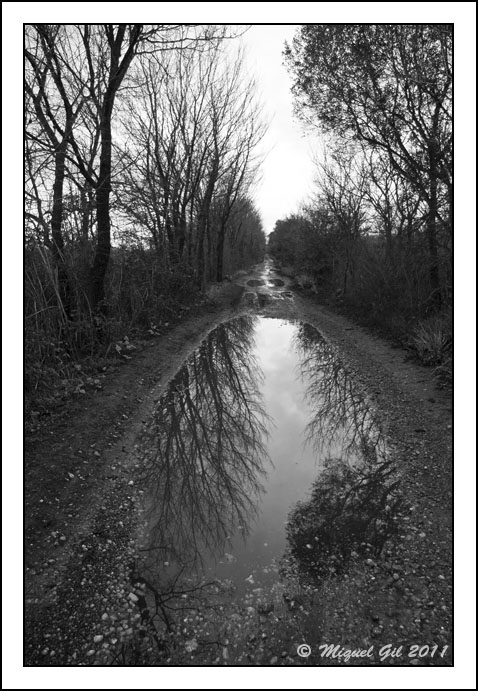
(287, 172)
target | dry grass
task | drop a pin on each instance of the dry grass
(432, 339)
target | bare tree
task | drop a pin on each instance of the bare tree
(389, 86)
(342, 188)
(57, 101)
(192, 128)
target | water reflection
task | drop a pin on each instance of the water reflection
(341, 415)
(354, 501)
(207, 439)
(351, 513)
(206, 452)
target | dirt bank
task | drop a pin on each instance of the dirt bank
(81, 501)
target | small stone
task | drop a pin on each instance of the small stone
(274, 660)
(396, 577)
(97, 639)
(191, 645)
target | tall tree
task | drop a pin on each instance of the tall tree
(390, 87)
(57, 101)
(122, 42)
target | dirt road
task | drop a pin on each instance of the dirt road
(82, 501)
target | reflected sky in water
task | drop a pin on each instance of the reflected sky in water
(238, 439)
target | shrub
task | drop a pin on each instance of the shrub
(432, 339)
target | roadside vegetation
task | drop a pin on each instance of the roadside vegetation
(375, 240)
(140, 159)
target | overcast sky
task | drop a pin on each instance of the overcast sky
(287, 172)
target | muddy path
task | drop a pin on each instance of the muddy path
(83, 504)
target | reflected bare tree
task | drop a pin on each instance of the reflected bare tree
(206, 452)
(341, 415)
(354, 502)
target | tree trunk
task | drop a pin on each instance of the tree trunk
(431, 227)
(103, 246)
(116, 74)
(200, 249)
(203, 221)
(64, 288)
(220, 252)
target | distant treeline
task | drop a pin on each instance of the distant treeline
(377, 235)
(139, 160)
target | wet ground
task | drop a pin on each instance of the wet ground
(264, 285)
(272, 489)
(261, 425)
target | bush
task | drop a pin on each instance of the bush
(432, 339)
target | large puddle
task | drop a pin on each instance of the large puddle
(265, 469)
